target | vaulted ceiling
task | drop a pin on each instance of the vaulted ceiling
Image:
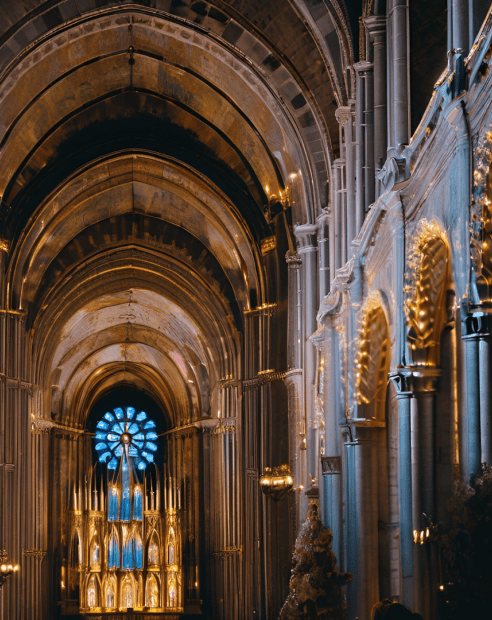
(142, 146)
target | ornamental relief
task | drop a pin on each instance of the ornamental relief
(481, 219)
(426, 290)
(373, 360)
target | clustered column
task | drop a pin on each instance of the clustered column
(477, 332)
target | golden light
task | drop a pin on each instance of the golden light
(276, 482)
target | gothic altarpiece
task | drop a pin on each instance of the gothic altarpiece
(125, 551)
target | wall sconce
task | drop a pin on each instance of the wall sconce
(276, 482)
(6, 570)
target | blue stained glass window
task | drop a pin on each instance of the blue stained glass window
(125, 427)
(113, 552)
(138, 552)
(128, 555)
(113, 504)
(137, 504)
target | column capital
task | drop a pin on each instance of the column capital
(477, 324)
(376, 27)
(412, 380)
(292, 259)
(363, 67)
(343, 114)
(306, 237)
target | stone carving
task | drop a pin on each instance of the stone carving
(481, 219)
(425, 304)
(227, 552)
(393, 172)
(330, 465)
(372, 364)
(38, 554)
(41, 425)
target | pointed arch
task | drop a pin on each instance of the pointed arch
(428, 280)
(128, 592)
(114, 549)
(93, 598)
(153, 550)
(110, 592)
(373, 362)
(95, 552)
(152, 594)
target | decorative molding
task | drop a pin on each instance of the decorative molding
(330, 465)
(476, 325)
(227, 425)
(41, 426)
(374, 350)
(38, 554)
(4, 245)
(425, 304)
(267, 245)
(262, 379)
(412, 380)
(265, 309)
(227, 552)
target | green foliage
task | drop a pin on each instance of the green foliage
(315, 583)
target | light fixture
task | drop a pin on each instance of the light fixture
(276, 482)
(6, 570)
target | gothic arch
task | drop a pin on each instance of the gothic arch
(481, 218)
(428, 282)
(374, 358)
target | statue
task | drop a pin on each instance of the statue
(315, 583)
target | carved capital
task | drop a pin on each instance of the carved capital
(414, 380)
(293, 261)
(306, 235)
(402, 383)
(376, 27)
(477, 325)
(37, 554)
(343, 114)
(40, 426)
(330, 465)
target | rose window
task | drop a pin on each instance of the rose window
(126, 431)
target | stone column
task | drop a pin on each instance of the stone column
(404, 394)
(459, 10)
(363, 533)
(399, 90)
(376, 28)
(338, 213)
(476, 332)
(364, 138)
(345, 118)
(307, 250)
(424, 385)
(323, 222)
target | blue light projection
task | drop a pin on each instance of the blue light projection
(126, 427)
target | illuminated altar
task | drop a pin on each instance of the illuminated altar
(125, 551)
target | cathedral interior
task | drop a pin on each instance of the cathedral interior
(245, 275)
